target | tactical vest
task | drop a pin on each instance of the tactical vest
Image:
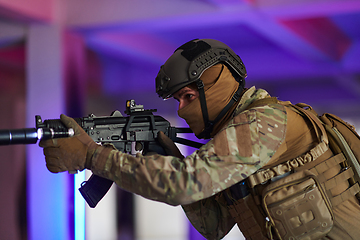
(280, 201)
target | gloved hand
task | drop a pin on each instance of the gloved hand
(69, 154)
(169, 146)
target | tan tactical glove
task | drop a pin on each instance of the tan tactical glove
(69, 154)
(169, 146)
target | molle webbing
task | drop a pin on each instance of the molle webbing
(307, 161)
(319, 170)
(345, 175)
(280, 169)
(246, 211)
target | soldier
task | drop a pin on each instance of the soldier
(256, 141)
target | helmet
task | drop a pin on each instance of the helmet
(190, 60)
(187, 64)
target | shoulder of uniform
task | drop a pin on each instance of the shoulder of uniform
(273, 113)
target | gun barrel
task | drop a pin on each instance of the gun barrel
(18, 136)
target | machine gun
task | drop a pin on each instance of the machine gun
(139, 127)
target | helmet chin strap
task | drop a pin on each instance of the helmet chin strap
(209, 125)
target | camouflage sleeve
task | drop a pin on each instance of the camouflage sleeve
(242, 147)
(210, 217)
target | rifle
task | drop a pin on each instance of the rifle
(139, 127)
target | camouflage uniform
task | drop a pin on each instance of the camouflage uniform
(244, 145)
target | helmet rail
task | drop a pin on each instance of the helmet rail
(190, 60)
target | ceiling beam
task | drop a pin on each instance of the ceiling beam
(285, 38)
(120, 14)
(351, 61)
(321, 33)
(227, 3)
(136, 45)
(305, 38)
(27, 10)
(115, 12)
(296, 9)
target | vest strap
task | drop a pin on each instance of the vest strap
(326, 165)
(312, 116)
(346, 195)
(337, 179)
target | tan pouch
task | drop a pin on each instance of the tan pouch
(297, 207)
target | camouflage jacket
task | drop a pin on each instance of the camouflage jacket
(239, 149)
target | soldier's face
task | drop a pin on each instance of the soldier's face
(185, 96)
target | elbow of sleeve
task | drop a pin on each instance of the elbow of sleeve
(181, 199)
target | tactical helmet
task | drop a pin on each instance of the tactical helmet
(186, 66)
(190, 60)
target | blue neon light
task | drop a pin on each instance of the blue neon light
(79, 207)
